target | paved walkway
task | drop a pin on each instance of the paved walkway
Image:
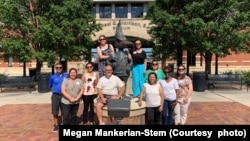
(27, 116)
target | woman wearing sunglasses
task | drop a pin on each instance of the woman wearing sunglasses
(104, 51)
(170, 90)
(139, 57)
(185, 93)
(89, 79)
(155, 68)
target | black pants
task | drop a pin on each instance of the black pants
(153, 115)
(88, 109)
(69, 113)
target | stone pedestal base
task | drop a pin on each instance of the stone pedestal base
(136, 115)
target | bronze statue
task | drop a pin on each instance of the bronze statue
(120, 62)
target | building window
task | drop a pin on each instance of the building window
(191, 58)
(105, 10)
(137, 10)
(121, 11)
(94, 10)
(21, 63)
(10, 62)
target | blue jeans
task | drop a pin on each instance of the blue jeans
(168, 113)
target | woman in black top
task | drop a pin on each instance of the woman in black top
(139, 58)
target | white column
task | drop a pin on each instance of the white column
(144, 9)
(129, 10)
(97, 14)
(113, 11)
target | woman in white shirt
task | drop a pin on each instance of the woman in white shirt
(154, 99)
(170, 90)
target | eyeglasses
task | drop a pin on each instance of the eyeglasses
(181, 69)
(102, 39)
(154, 64)
(58, 67)
(89, 67)
(137, 43)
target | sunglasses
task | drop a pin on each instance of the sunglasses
(89, 79)
(154, 64)
(181, 69)
(102, 39)
(58, 67)
(89, 67)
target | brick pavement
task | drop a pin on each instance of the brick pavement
(33, 122)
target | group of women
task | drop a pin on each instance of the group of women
(74, 90)
(167, 97)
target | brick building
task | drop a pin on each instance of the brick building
(131, 13)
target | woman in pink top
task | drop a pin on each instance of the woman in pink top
(185, 93)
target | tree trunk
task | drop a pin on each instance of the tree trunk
(38, 67)
(208, 60)
(179, 54)
(24, 69)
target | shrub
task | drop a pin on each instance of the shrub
(245, 76)
(1, 75)
(228, 72)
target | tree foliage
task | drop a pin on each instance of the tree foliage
(47, 29)
(199, 26)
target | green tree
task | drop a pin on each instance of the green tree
(50, 29)
(215, 28)
(166, 30)
(200, 26)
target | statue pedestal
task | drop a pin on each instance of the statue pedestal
(136, 115)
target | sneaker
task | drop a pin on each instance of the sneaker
(56, 127)
(102, 123)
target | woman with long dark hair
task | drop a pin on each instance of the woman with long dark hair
(89, 79)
